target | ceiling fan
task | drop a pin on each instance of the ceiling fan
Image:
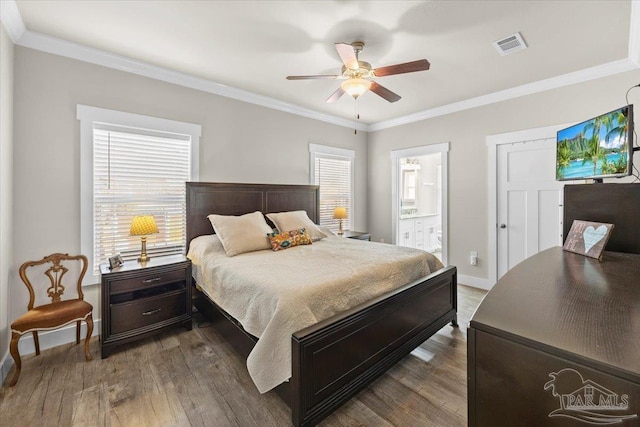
(357, 74)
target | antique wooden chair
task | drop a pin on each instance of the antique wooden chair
(53, 315)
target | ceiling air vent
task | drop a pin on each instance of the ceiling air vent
(510, 44)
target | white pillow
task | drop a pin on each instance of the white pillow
(240, 234)
(287, 221)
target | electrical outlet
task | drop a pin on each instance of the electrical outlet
(473, 258)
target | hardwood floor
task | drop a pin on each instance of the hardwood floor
(194, 378)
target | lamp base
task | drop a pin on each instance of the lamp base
(143, 251)
(340, 233)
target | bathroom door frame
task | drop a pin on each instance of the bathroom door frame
(396, 155)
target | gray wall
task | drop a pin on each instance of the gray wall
(467, 132)
(240, 142)
(6, 188)
(244, 143)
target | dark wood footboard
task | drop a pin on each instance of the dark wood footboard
(334, 359)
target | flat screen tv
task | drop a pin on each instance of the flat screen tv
(601, 147)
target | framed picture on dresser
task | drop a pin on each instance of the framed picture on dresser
(588, 238)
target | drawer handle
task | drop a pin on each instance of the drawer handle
(157, 279)
(150, 312)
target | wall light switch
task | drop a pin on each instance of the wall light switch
(473, 258)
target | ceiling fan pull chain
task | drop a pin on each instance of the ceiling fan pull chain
(355, 122)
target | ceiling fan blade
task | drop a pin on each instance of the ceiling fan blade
(383, 92)
(335, 95)
(348, 55)
(407, 67)
(320, 76)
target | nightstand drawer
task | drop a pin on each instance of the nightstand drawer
(139, 313)
(144, 281)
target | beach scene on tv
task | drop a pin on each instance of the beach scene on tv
(594, 148)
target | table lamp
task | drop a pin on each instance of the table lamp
(340, 213)
(143, 225)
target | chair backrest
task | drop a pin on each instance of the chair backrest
(55, 273)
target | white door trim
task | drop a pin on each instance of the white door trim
(492, 182)
(443, 148)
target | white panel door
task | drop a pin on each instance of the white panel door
(529, 201)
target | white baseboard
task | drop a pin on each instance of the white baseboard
(48, 339)
(476, 282)
(56, 337)
(5, 366)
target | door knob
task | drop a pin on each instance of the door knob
(503, 225)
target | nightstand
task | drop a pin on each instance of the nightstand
(358, 235)
(138, 301)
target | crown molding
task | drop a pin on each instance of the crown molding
(11, 19)
(80, 52)
(632, 62)
(568, 79)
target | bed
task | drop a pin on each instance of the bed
(334, 358)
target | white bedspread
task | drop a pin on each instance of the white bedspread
(274, 294)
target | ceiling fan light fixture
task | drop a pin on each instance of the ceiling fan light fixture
(356, 74)
(356, 87)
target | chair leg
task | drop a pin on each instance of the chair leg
(78, 332)
(36, 341)
(89, 321)
(13, 348)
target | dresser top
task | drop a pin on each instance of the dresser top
(569, 304)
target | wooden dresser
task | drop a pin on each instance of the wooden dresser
(556, 342)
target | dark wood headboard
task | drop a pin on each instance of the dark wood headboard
(206, 198)
(617, 204)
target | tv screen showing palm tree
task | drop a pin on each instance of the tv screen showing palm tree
(601, 147)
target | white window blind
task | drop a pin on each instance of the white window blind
(132, 164)
(333, 172)
(138, 172)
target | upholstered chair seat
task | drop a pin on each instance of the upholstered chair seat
(52, 316)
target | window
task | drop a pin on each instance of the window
(332, 169)
(133, 165)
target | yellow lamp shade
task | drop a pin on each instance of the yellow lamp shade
(143, 225)
(340, 213)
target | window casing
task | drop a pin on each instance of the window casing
(133, 165)
(333, 170)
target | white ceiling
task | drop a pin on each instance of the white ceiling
(254, 45)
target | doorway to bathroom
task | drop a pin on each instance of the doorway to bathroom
(419, 198)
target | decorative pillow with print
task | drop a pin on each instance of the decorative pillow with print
(289, 239)
(294, 220)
